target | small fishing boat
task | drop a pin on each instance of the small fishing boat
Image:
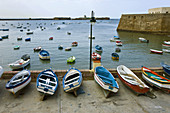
(68, 49)
(71, 59)
(4, 36)
(72, 80)
(167, 42)
(51, 38)
(96, 56)
(19, 81)
(44, 55)
(156, 51)
(131, 80)
(74, 43)
(58, 28)
(114, 40)
(115, 56)
(68, 33)
(116, 37)
(28, 39)
(19, 38)
(105, 79)
(98, 48)
(166, 45)
(166, 68)
(21, 30)
(166, 50)
(117, 50)
(143, 40)
(29, 33)
(0, 39)
(155, 79)
(1, 71)
(119, 43)
(60, 47)
(38, 48)
(21, 63)
(16, 47)
(47, 82)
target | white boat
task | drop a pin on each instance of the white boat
(68, 49)
(19, 81)
(166, 50)
(1, 71)
(143, 40)
(21, 63)
(119, 43)
(167, 42)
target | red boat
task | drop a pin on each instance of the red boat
(51, 38)
(118, 43)
(96, 56)
(74, 43)
(166, 45)
(156, 51)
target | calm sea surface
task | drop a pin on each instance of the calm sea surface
(133, 53)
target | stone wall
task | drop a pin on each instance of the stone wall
(153, 23)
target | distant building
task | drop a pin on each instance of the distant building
(159, 10)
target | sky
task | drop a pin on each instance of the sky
(76, 8)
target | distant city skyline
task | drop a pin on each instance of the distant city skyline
(76, 8)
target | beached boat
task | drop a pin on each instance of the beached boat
(155, 79)
(44, 55)
(30, 32)
(143, 40)
(166, 50)
(131, 80)
(156, 51)
(16, 47)
(19, 38)
(47, 82)
(4, 36)
(96, 56)
(38, 48)
(71, 59)
(115, 56)
(105, 79)
(166, 68)
(74, 43)
(21, 63)
(28, 39)
(1, 71)
(167, 42)
(98, 48)
(68, 49)
(51, 38)
(19, 81)
(72, 80)
(166, 45)
(60, 47)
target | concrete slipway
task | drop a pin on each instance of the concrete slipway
(92, 101)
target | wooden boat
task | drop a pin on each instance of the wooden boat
(167, 42)
(166, 68)
(30, 32)
(71, 59)
(143, 40)
(131, 80)
(21, 63)
(105, 79)
(4, 36)
(68, 49)
(74, 43)
(38, 48)
(19, 38)
(28, 39)
(47, 82)
(0, 39)
(16, 47)
(116, 37)
(51, 38)
(156, 51)
(166, 45)
(166, 50)
(114, 40)
(118, 43)
(1, 71)
(44, 55)
(98, 48)
(96, 56)
(19, 81)
(60, 47)
(115, 56)
(155, 79)
(72, 80)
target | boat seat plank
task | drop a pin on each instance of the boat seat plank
(72, 79)
(49, 81)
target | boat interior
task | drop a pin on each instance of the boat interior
(20, 77)
(71, 77)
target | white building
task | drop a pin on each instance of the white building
(159, 10)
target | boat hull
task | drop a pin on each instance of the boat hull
(156, 51)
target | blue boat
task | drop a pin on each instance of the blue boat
(0, 39)
(72, 80)
(44, 55)
(47, 82)
(28, 39)
(98, 48)
(115, 56)
(166, 68)
(106, 80)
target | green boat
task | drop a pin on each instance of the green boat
(16, 47)
(71, 59)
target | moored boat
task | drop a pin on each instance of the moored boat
(98, 48)
(167, 42)
(28, 39)
(131, 80)
(68, 49)
(60, 47)
(0, 39)
(1, 71)
(166, 50)
(143, 40)
(51, 38)
(96, 56)
(30, 32)
(38, 48)
(115, 56)
(166, 68)
(19, 38)
(116, 37)
(155, 79)
(71, 59)
(156, 51)
(74, 43)
(4, 36)
(105, 79)
(19, 81)
(72, 80)
(16, 47)
(44, 55)
(166, 45)
(47, 82)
